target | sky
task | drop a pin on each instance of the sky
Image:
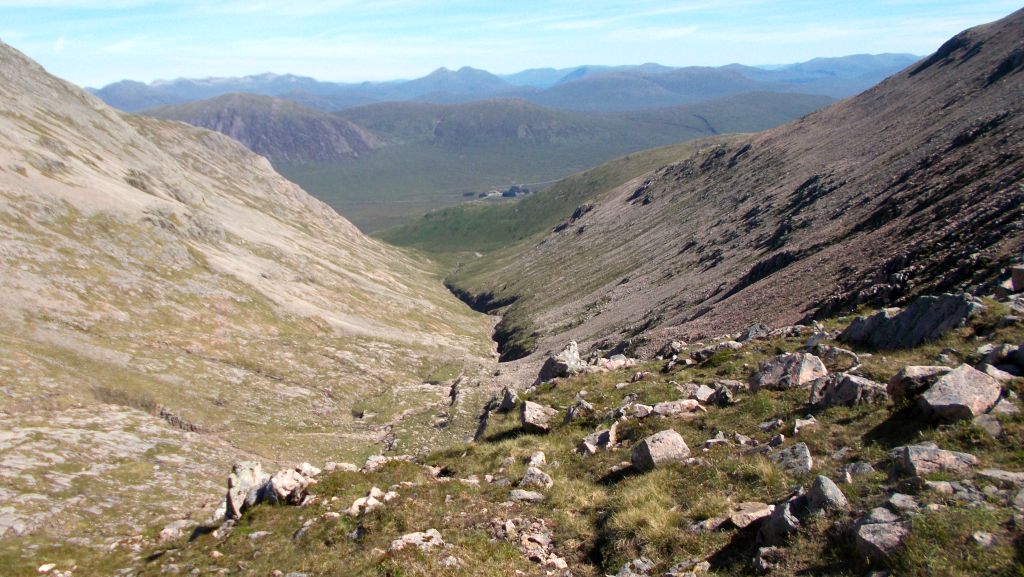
(95, 42)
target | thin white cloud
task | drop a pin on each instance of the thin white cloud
(58, 44)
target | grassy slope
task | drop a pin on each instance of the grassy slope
(439, 153)
(601, 520)
(487, 226)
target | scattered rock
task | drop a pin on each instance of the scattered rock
(780, 524)
(536, 418)
(747, 514)
(773, 425)
(538, 459)
(859, 469)
(175, 530)
(424, 541)
(636, 568)
(688, 568)
(795, 460)
(836, 359)
(535, 478)
(925, 319)
(806, 423)
(880, 534)
(911, 381)
(767, 558)
(564, 364)
(983, 539)
(706, 353)
(525, 496)
(509, 400)
(677, 408)
(777, 440)
(658, 449)
(671, 348)
(846, 390)
(918, 460)
(754, 331)
(600, 440)
(787, 371)
(581, 409)
(900, 502)
(963, 393)
(244, 484)
(1005, 479)
(990, 424)
(332, 467)
(824, 495)
(996, 373)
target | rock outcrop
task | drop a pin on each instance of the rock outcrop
(925, 319)
(787, 371)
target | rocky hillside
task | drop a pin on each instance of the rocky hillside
(171, 304)
(278, 129)
(721, 458)
(911, 186)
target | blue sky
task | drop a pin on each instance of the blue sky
(93, 42)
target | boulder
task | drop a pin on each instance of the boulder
(826, 496)
(244, 486)
(787, 371)
(925, 319)
(879, 535)
(780, 524)
(747, 514)
(536, 479)
(658, 449)
(538, 459)
(564, 364)
(754, 331)
(424, 541)
(671, 348)
(846, 390)
(288, 487)
(525, 496)
(536, 418)
(996, 373)
(963, 393)
(795, 460)
(707, 352)
(911, 381)
(600, 440)
(918, 460)
(676, 408)
(1017, 278)
(636, 568)
(836, 359)
(509, 399)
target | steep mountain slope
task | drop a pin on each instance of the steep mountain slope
(913, 186)
(171, 304)
(437, 154)
(279, 129)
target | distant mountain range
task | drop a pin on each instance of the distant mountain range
(384, 164)
(596, 88)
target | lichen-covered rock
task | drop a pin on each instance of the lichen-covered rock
(918, 460)
(925, 319)
(911, 381)
(658, 449)
(564, 364)
(795, 460)
(879, 535)
(787, 371)
(536, 479)
(244, 485)
(825, 495)
(423, 540)
(536, 418)
(846, 390)
(963, 393)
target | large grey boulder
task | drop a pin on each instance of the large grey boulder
(658, 449)
(846, 390)
(787, 371)
(911, 381)
(536, 418)
(795, 460)
(918, 460)
(825, 496)
(963, 393)
(564, 364)
(925, 319)
(244, 486)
